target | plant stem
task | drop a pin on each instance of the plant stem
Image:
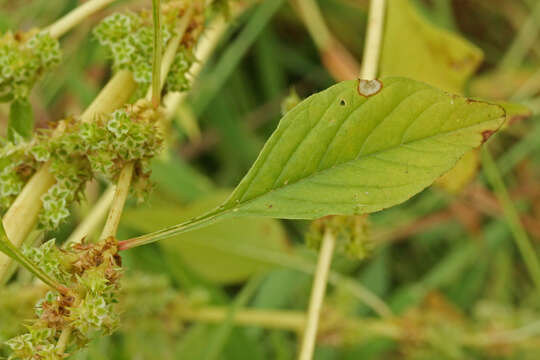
(22, 216)
(8, 249)
(315, 24)
(339, 62)
(165, 62)
(520, 235)
(523, 41)
(156, 61)
(63, 341)
(120, 196)
(317, 295)
(114, 95)
(159, 68)
(94, 218)
(220, 335)
(73, 18)
(270, 319)
(370, 62)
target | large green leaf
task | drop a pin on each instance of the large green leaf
(198, 249)
(415, 48)
(339, 152)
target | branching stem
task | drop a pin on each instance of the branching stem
(119, 199)
(94, 218)
(22, 216)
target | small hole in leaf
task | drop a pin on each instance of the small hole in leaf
(342, 102)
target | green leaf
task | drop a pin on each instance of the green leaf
(339, 152)
(21, 119)
(415, 48)
(200, 251)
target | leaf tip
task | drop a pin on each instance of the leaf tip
(369, 88)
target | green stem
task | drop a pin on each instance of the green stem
(221, 334)
(170, 231)
(13, 252)
(520, 235)
(156, 63)
(524, 40)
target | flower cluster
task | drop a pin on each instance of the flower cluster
(92, 274)
(351, 233)
(129, 41)
(78, 152)
(24, 57)
(48, 257)
(15, 169)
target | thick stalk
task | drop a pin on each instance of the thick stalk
(76, 16)
(63, 341)
(317, 296)
(119, 199)
(22, 216)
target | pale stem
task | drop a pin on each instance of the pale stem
(22, 216)
(76, 16)
(270, 319)
(310, 13)
(94, 218)
(120, 196)
(63, 341)
(115, 94)
(370, 62)
(317, 295)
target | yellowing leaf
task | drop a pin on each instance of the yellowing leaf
(341, 153)
(202, 250)
(414, 48)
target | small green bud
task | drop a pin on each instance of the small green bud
(290, 101)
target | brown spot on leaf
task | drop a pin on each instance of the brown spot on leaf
(369, 88)
(270, 206)
(486, 134)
